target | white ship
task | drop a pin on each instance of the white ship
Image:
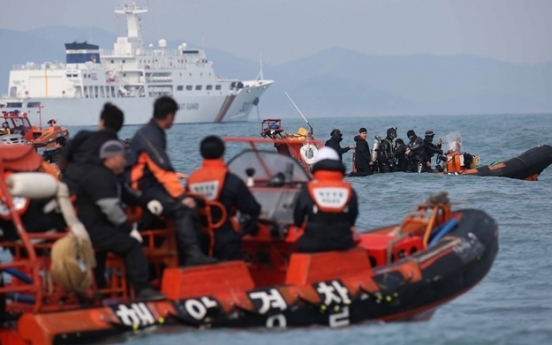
(130, 76)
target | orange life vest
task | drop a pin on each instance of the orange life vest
(209, 179)
(329, 192)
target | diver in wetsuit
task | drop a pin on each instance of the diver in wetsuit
(431, 149)
(415, 152)
(386, 158)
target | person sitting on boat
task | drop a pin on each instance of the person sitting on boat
(386, 159)
(363, 159)
(5, 129)
(99, 198)
(216, 183)
(334, 143)
(415, 152)
(81, 153)
(152, 173)
(431, 149)
(328, 205)
(51, 156)
(400, 156)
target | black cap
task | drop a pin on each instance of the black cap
(429, 133)
(335, 131)
(362, 130)
(410, 132)
(111, 148)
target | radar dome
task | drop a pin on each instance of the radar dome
(184, 46)
(151, 45)
(162, 43)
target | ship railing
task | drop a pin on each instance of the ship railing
(150, 53)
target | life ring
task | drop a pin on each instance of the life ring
(308, 148)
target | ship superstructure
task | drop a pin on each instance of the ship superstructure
(131, 76)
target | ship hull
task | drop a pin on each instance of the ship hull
(209, 108)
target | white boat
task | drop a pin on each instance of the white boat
(131, 76)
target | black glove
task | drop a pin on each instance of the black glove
(249, 225)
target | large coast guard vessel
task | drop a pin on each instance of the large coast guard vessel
(130, 76)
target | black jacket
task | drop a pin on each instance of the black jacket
(325, 231)
(334, 143)
(401, 158)
(362, 155)
(417, 153)
(82, 154)
(99, 200)
(51, 156)
(431, 149)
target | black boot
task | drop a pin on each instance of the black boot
(195, 257)
(149, 294)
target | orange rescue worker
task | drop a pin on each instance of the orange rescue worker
(328, 205)
(151, 172)
(5, 129)
(214, 182)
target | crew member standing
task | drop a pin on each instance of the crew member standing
(363, 159)
(431, 149)
(334, 143)
(328, 205)
(216, 183)
(415, 152)
(386, 159)
(151, 172)
(99, 209)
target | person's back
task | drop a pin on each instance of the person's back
(415, 152)
(80, 155)
(216, 183)
(329, 206)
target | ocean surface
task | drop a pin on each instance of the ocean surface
(512, 305)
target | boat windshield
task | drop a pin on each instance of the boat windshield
(452, 143)
(17, 124)
(267, 165)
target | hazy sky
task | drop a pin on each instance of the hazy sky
(284, 30)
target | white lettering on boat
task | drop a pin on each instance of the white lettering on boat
(333, 292)
(137, 314)
(339, 319)
(280, 319)
(270, 299)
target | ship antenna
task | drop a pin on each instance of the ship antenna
(304, 118)
(260, 76)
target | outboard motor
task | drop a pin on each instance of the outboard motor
(375, 147)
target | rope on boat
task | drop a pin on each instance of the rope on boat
(72, 263)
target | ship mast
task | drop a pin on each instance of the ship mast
(134, 29)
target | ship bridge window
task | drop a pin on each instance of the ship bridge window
(209, 87)
(68, 75)
(75, 75)
(112, 61)
(189, 87)
(218, 87)
(14, 105)
(33, 104)
(198, 87)
(123, 61)
(179, 88)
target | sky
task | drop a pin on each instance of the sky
(516, 31)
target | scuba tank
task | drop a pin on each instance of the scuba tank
(375, 147)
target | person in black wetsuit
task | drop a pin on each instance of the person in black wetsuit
(363, 159)
(329, 218)
(334, 143)
(415, 152)
(81, 153)
(400, 156)
(431, 149)
(51, 156)
(216, 183)
(99, 198)
(386, 158)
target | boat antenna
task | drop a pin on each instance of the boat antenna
(304, 118)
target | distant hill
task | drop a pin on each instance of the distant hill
(341, 82)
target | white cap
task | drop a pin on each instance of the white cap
(326, 153)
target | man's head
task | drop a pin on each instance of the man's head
(336, 132)
(363, 132)
(60, 142)
(392, 133)
(212, 147)
(411, 134)
(112, 153)
(429, 134)
(164, 111)
(111, 118)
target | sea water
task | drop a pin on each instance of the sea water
(511, 305)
